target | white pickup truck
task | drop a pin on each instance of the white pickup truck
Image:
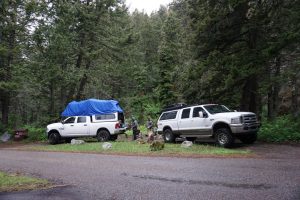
(104, 127)
(210, 120)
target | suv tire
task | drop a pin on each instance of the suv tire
(168, 135)
(224, 138)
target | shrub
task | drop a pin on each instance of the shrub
(282, 129)
(35, 133)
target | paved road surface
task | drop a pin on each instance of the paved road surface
(275, 175)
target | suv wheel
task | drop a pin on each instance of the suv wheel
(169, 136)
(103, 136)
(224, 138)
(248, 139)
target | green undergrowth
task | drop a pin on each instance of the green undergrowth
(135, 148)
(35, 134)
(282, 129)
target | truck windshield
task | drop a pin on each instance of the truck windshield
(214, 109)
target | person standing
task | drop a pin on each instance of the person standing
(134, 127)
(150, 132)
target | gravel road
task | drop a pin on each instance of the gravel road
(275, 174)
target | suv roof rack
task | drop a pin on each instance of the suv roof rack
(174, 107)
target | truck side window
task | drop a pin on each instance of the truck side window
(105, 116)
(70, 120)
(81, 119)
(185, 113)
(196, 111)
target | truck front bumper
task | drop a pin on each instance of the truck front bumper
(244, 128)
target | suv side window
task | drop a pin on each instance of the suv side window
(185, 113)
(169, 115)
(197, 110)
(81, 119)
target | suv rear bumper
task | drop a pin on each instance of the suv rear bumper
(244, 128)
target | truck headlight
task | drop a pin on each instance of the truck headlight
(237, 120)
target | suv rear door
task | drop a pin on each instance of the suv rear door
(184, 122)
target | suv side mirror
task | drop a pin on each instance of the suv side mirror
(200, 114)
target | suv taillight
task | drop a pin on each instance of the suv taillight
(117, 125)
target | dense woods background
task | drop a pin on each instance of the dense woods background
(241, 53)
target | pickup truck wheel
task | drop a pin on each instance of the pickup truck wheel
(54, 138)
(248, 139)
(224, 138)
(103, 136)
(169, 137)
(113, 137)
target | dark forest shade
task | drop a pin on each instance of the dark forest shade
(244, 54)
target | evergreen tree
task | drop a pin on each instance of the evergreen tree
(168, 57)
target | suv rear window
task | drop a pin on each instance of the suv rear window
(168, 115)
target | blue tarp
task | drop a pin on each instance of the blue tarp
(91, 107)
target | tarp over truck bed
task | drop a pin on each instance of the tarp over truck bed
(91, 107)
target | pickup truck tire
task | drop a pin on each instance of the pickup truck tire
(224, 138)
(113, 137)
(54, 138)
(248, 139)
(168, 135)
(103, 135)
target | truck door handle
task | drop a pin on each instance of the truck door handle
(85, 125)
(71, 125)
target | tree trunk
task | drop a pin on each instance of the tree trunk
(295, 95)
(11, 45)
(5, 107)
(249, 100)
(273, 102)
(83, 82)
(51, 106)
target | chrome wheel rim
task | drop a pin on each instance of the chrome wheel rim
(168, 136)
(222, 138)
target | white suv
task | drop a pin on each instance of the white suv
(210, 120)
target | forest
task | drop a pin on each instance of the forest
(241, 53)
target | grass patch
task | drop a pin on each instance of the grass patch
(16, 182)
(142, 149)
